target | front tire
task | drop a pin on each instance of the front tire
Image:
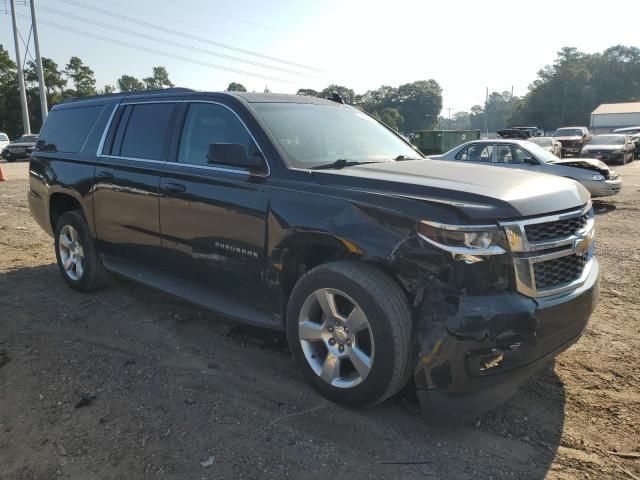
(349, 330)
(77, 258)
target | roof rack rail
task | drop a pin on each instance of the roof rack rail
(128, 94)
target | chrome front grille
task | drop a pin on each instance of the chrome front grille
(540, 232)
(559, 271)
(551, 254)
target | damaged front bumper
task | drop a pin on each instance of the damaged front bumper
(475, 351)
(604, 188)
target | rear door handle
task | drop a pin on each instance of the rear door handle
(104, 176)
(174, 187)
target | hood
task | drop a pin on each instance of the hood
(587, 163)
(479, 192)
(574, 138)
(603, 147)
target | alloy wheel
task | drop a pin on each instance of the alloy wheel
(336, 338)
(71, 252)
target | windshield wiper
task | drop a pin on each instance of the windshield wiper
(338, 164)
(400, 158)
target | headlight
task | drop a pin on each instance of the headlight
(597, 177)
(463, 240)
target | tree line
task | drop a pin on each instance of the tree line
(75, 79)
(564, 93)
(409, 107)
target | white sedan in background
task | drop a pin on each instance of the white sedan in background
(593, 174)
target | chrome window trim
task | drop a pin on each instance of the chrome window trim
(103, 138)
(144, 160)
(221, 168)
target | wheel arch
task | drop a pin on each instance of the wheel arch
(62, 202)
(302, 252)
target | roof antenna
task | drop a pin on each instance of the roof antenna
(335, 97)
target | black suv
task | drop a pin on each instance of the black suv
(20, 149)
(310, 216)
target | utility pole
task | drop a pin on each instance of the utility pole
(486, 113)
(449, 109)
(41, 85)
(23, 93)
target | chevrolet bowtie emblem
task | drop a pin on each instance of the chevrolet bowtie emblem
(582, 244)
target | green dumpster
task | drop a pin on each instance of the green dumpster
(433, 142)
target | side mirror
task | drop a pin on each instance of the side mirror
(233, 155)
(530, 161)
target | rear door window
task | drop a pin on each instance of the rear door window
(67, 129)
(482, 152)
(143, 131)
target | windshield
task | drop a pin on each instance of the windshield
(568, 132)
(607, 140)
(313, 135)
(539, 152)
(27, 139)
(542, 141)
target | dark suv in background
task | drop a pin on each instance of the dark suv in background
(310, 216)
(20, 149)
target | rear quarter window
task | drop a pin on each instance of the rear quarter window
(66, 130)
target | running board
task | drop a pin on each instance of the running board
(213, 300)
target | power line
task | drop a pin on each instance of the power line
(157, 52)
(248, 22)
(190, 24)
(186, 35)
(169, 42)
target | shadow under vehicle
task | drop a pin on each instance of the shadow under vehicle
(136, 325)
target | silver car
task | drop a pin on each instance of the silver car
(522, 154)
(550, 144)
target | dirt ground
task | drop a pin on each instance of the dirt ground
(167, 386)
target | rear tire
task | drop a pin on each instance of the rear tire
(78, 260)
(349, 329)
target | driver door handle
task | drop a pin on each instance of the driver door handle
(104, 176)
(172, 187)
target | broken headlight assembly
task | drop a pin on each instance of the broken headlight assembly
(597, 177)
(466, 241)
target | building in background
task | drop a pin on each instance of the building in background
(610, 116)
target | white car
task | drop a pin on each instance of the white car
(4, 140)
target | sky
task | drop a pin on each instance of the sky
(465, 45)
